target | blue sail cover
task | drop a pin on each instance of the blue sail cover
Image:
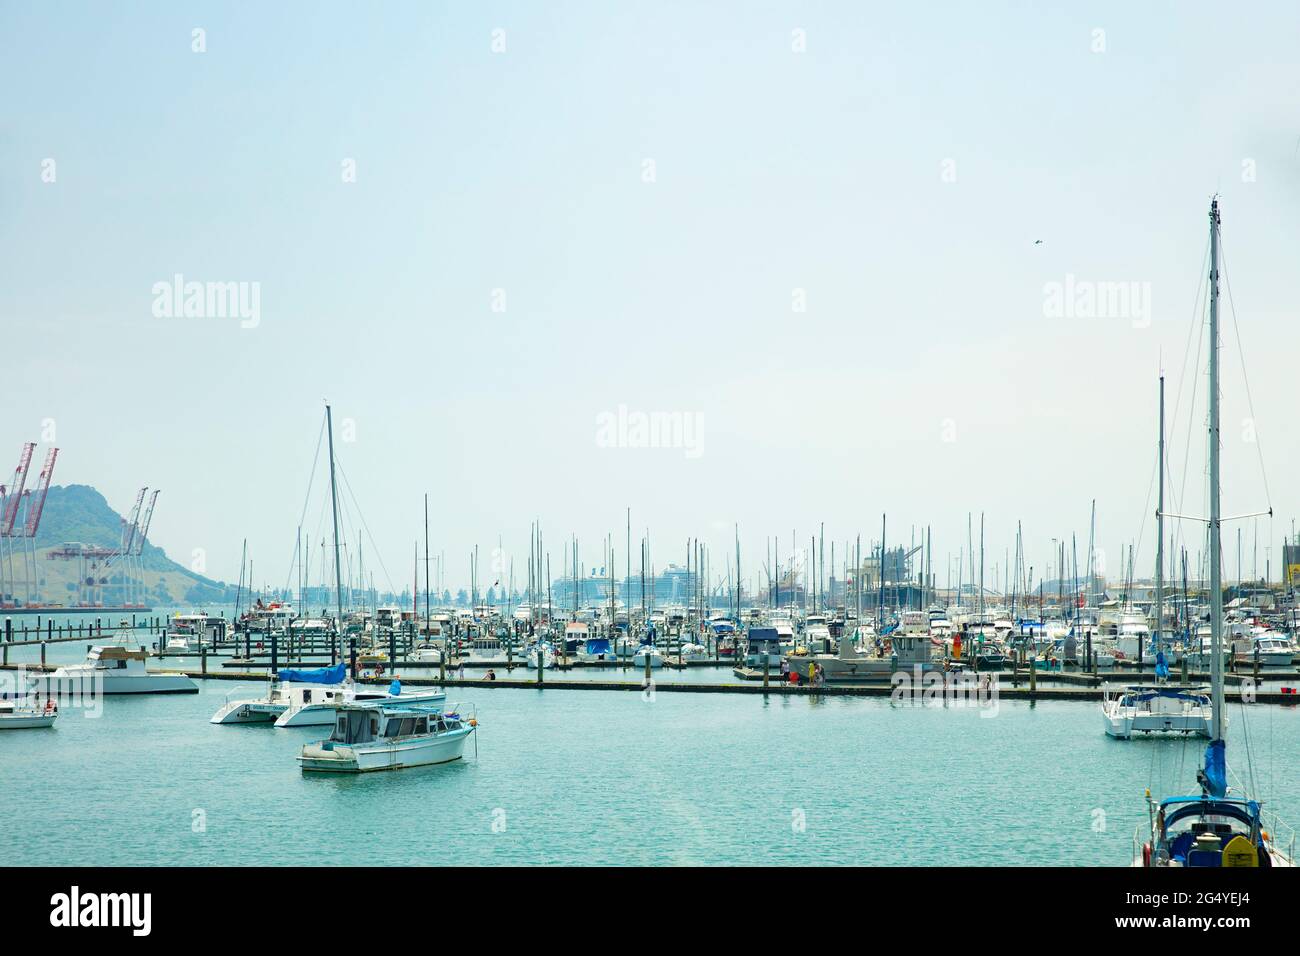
(1162, 668)
(1215, 776)
(319, 675)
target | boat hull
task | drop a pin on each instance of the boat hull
(77, 684)
(248, 712)
(397, 755)
(26, 721)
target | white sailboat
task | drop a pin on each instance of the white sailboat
(1212, 829)
(1161, 707)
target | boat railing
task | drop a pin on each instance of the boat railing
(1281, 834)
(240, 689)
(466, 710)
(1139, 841)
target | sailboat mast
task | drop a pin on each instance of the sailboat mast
(1160, 522)
(334, 506)
(1216, 572)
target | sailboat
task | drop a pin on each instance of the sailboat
(1160, 707)
(1214, 828)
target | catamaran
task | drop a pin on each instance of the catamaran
(1214, 828)
(308, 698)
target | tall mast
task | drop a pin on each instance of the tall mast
(1160, 521)
(334, 506)
(1216, 572)
(426, 565)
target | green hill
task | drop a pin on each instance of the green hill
(79, 515)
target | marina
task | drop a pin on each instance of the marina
(171, 761)
(448, 441)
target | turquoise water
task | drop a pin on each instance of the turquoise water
(566, 776)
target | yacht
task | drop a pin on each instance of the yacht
(1156, 709)
(763, 644)
(817, 634)
(647, 652)
(541, 654)
(373, 736)
(1270, 648)
(117, 670)
(308, 698)
(427, 653)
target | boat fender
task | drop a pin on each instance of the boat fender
(1146, 854)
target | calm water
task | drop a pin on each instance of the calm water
(610, 777)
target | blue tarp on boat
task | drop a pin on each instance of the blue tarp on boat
(319, 675)
(1214, 778)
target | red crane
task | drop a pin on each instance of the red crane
(15, 495)
(37, 504)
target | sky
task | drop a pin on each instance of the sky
(806, 233)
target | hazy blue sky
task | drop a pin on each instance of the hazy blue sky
(897, 170)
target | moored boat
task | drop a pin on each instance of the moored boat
(370, 736)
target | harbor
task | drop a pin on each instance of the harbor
(459, 451)
(520, 799)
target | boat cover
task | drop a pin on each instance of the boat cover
(1214, 778)
(318, 675)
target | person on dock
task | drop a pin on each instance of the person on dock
(490, 675)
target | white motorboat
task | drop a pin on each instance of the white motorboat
(542, 655)
(1156, 709)
(763, 644)
(189, 632)
(372, 736)
(24, 711)
(1270, 648)
(115, 669)
(427, 653)
(308, 698)
(650, 652)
